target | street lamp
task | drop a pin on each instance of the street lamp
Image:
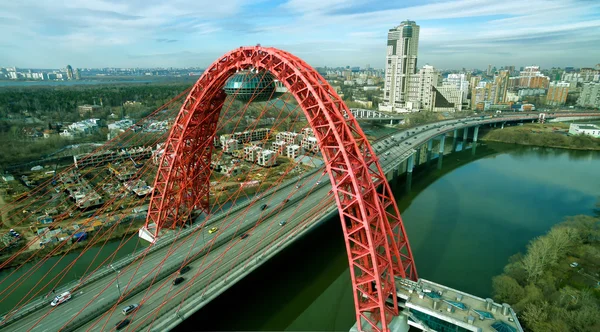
(117, 272)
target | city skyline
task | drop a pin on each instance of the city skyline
(454, 34)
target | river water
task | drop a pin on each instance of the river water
(463, 220)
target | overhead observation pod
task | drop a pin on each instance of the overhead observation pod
(252, 86)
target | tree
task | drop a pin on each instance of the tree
(507, 289)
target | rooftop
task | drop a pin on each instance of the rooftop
(450, 305)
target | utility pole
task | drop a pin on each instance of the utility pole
(117, 272)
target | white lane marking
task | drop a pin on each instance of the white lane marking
(100, 299)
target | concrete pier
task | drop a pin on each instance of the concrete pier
(476, 132)
(429, 150)
(465, 135)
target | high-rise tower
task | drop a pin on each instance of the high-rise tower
(401, 63)
(69, 72)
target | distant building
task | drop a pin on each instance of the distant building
(500, 87)
(452, 95)
(251, 153)
(532, 78)
(85, 109)
(266, 158)
(77, 74)
(279, 147)
(294, 151)
(70, 72)
(584, 129)
(401, 63)
(460, 82)
(557, 93)
(230, 145)
(310, 144)
(420, 89)
(289, 137)
(590, 95)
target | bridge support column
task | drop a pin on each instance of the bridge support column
(476, 132)
(455, 140)
(442, 142)
(465, 134)
(429, 150)
(418, 157)
(502, 125)
(474, 149)
(410, 163)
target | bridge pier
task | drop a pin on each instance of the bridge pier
(455, 140)
(502, 125)
(429, 150)
(418, 157)
(442, 142)
(476, 132)
(465, 135)
(474, 149)
(410, 164)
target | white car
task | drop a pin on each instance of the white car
(64, 297)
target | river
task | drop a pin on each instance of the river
(463, 220)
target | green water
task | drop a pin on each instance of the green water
(463, 221)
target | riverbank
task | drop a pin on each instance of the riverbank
(552, 135)
(556, 284)
(121, 231)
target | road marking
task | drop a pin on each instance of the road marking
(100, 299)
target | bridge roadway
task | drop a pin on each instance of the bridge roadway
(85, 310)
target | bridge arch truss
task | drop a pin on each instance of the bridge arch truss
(375, 238)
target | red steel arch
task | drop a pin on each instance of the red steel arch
(376, 242)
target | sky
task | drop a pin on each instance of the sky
(194, 33)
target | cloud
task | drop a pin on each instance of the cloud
(454, 33)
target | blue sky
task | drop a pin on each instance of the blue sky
(182, 33)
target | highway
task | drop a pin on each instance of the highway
(90, 302)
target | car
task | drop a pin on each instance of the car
(129, 309)
(574, 264)
(415, 137)
(243, 236)
(264, 206)
(64, 297)
(286, 200)
(297, 186)
(318, 183)
(281, 223)
(178, 280)
(184, 269)
(212, 230)
(122, 324)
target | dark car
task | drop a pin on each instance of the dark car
(178, 280)
(184, 269)
(122, 324)
(264, 206)
(243, 236)
(286, 200)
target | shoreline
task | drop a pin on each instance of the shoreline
(21, 258)
(541, 146)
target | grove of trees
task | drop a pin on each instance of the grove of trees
(548, 293)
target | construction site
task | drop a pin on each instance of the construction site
(96, 191)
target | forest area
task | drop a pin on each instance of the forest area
(27, 110)
(555, 285)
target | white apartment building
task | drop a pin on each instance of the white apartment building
(310, 144)
(266, 158)
(590, 95)
(251, 153)
(279, 147)
(460, 82)
(401, 63)
(308, 131)
(420, 90)
(293, 151)
(289, 137)
(230, 145)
